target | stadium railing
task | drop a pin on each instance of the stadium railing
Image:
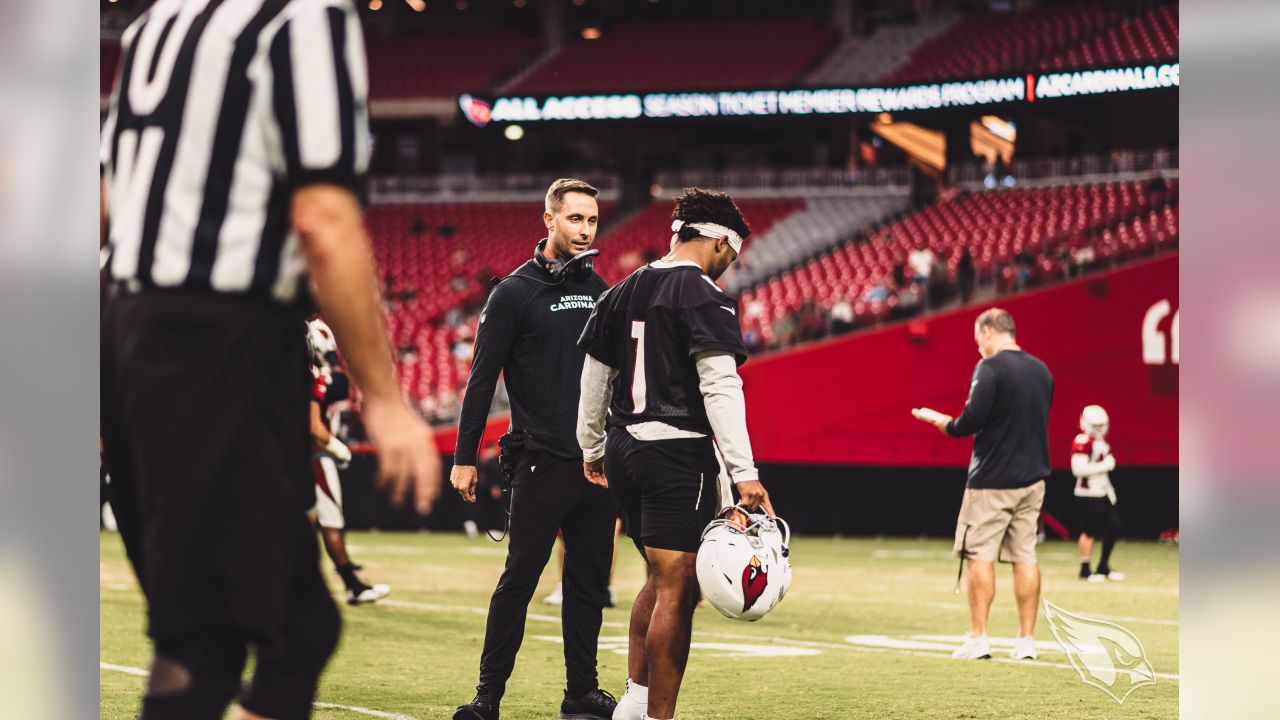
(1079, 167)
(772, 183)
(400, 190)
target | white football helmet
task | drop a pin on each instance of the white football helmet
(320, 338)
(743, 564)
(1094, 422)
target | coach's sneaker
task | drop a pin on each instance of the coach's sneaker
(974, 648)
(1097, 578)
(367, 594)
(556, 597)
(483, 707)
(1024, 648)
(595, 705)
(1113, 575)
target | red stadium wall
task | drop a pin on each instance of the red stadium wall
(848, 401)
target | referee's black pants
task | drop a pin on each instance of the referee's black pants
(550, 493)
(206, 437)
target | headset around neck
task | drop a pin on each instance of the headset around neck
(579, 266)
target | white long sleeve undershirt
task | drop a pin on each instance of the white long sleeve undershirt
(593, 407)
(721, 388)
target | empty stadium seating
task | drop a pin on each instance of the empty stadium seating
(433, 258)
(1116, 221)
(993, 43)
(436, 258)
(646, 235)
(820, 224)
(439, 64)
(418, 65)
(684, 56)
(864, 61)
(1152, 36)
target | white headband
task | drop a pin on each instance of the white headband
(711, 230)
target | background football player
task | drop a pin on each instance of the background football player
(1091, 463)
(330, 389)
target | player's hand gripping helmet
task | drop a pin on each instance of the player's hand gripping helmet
(742, 563)
(323, 344)
(1094, 422)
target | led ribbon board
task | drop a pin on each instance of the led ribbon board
(826, 101)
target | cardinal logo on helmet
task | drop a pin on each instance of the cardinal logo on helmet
(755, 578)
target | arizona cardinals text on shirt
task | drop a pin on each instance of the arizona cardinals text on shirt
(574, 302)
(222, 108)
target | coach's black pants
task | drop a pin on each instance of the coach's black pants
(549, 494)
(206, 437)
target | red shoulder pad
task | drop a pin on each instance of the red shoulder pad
(1082, 444)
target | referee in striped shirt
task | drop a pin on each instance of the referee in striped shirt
(236, 134)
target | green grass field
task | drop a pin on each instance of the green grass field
(416, 655)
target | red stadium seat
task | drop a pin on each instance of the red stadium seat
(644, 56)
(1117, 219)
(444, 64)
(989, 44)
(646, 235)
(1150, 37)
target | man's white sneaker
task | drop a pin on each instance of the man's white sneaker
(370, 594)
(1115, 576)
(633, 703)
(556, 597)
(1097, 578)
(1024, 648)
(973, 649)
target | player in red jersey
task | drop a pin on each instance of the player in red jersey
(1091, 463)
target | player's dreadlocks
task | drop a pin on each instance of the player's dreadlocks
(697, 206)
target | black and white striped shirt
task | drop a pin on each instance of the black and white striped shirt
(221, 109)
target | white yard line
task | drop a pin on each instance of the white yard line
(323, 705)
(432, 607)
(123, 669)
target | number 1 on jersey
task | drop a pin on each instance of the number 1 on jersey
(638, 387)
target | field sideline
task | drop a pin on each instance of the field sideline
(863, 634)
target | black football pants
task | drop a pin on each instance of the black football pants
(549, 494)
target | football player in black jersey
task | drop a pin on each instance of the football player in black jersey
(663, 349)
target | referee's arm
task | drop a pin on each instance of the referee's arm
(321, 107)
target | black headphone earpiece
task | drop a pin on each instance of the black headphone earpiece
(579, 266)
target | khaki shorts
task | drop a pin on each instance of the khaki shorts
(999, 521)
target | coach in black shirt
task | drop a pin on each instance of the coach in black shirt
(1008, 415)
(528, 331)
